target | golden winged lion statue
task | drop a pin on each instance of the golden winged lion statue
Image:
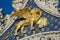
(32, 16)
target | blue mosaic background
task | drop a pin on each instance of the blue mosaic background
(54, 22)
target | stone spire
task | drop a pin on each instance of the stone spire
(1, 15)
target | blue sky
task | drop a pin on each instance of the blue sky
(7, 6)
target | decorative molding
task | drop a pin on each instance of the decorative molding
(44, 36)
(49, 6)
